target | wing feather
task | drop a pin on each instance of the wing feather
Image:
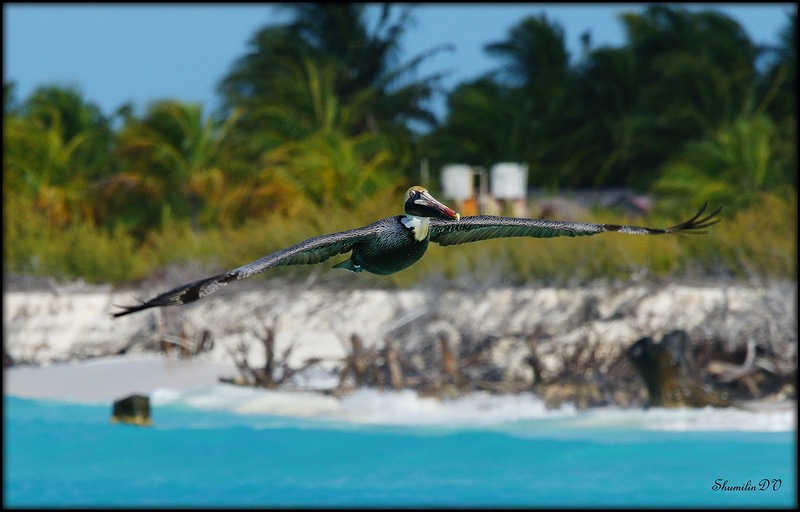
(308, 252)
(485, 227)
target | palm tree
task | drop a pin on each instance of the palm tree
(680, 78)
(778, 88)
(337, 37)
(697, 69)
(76, 117)
(54, 145)
(780, 80)
(602, 121)
(733, 167)
(40, 164)
(524, 102)
(57, 144)
(316, 162)
(463, 136)
(534, 55)
(172, 156)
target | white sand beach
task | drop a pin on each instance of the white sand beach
(111, 378)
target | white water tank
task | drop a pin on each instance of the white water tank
(509, 180)
(458, 182)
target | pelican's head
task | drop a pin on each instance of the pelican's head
(420, 203)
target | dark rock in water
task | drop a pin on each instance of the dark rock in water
(134, 410)
(666, 373)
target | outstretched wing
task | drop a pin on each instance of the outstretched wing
(311, 251)
(484, 227)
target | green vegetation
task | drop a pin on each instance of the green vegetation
(315, 135)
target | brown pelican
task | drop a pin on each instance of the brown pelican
(392, 244)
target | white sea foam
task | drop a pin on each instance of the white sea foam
(194, 384)
(517, 413)
(691, 419)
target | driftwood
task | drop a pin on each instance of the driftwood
(444, 362)
(667, 376)
(761, 373)
(534, 362)
(360, 364)
(264, 377)
(396, 378)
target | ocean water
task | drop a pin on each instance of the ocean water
(235, 447)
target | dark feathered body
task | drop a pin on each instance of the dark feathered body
(392, 249)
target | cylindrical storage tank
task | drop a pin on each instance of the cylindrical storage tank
(509, 180)
(457, 182)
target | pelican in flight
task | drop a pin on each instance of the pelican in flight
(392, 244)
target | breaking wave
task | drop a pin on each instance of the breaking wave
(518, 413)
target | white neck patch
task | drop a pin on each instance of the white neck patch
(419, 225)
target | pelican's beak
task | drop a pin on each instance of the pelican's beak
(424, 204)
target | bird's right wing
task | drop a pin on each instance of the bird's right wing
(485, 227)
(311, 251)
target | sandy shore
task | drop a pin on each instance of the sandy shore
(111, 378)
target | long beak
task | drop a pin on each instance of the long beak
(427, 206)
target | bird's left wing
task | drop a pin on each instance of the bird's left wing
(311, 251)
(484, 227)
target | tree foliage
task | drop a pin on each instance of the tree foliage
(379, 91)
(323, 114)
(617, 116)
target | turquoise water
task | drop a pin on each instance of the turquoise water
(59, 453)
